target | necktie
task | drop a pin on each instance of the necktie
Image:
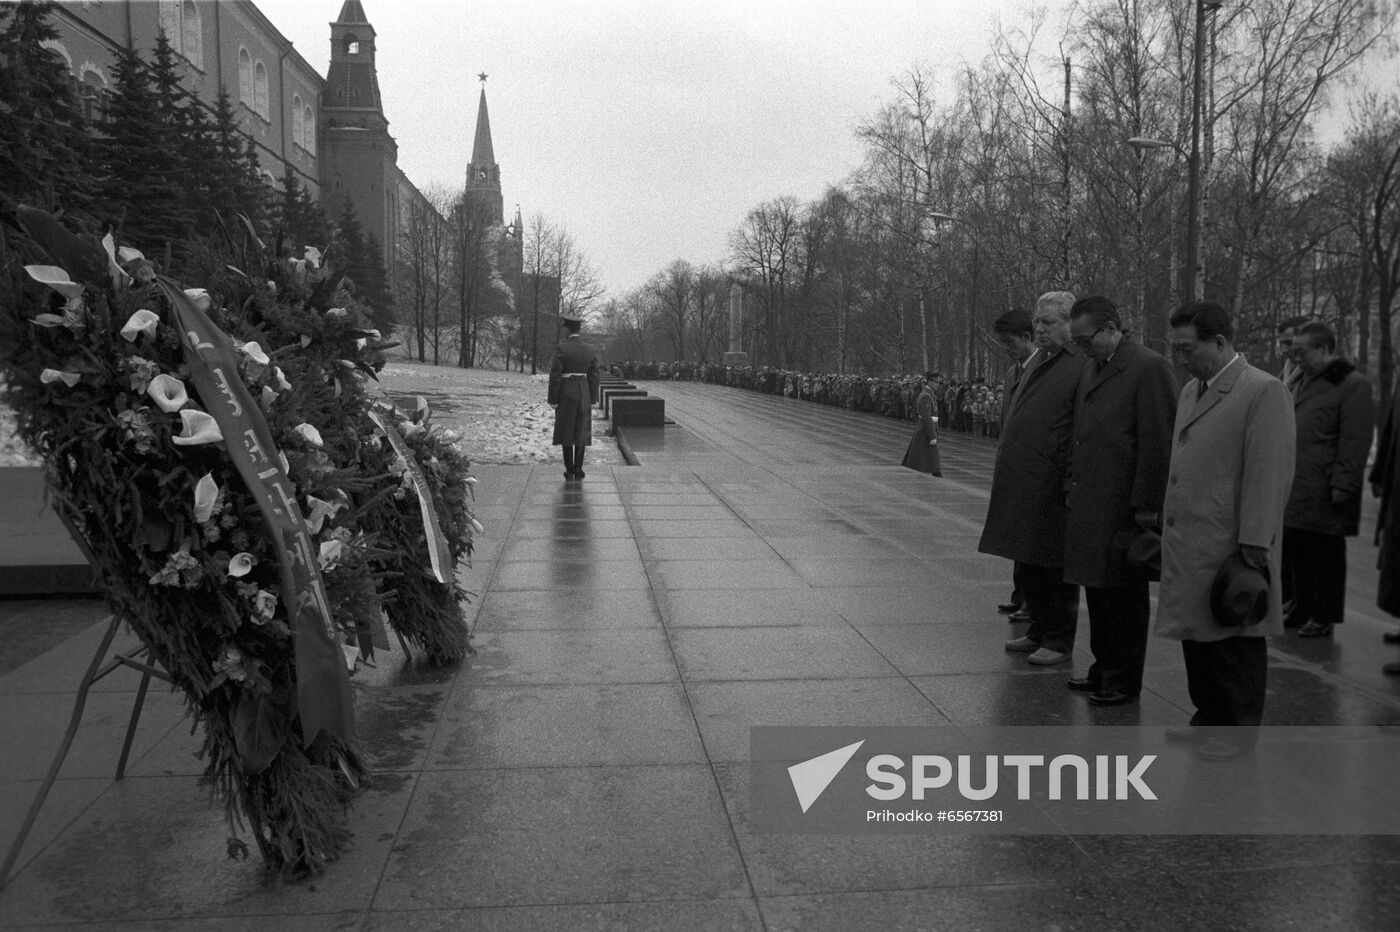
(1201, 390)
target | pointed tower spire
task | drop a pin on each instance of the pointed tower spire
(483, 174)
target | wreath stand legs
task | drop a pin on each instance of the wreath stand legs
(96, 671)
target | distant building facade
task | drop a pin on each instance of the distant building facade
(330, 132)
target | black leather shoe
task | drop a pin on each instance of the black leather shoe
(1103, 699)
(1315, 629)
(1391, 637)
(1006, 608)
(1082, 684)
(1019, 616)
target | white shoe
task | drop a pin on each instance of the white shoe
(1045, 657)
(1022, 645)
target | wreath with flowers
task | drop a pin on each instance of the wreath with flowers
(254, 513)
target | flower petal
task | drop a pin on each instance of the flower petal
(120, 279)
(47, 320)
(308, 433)
(312, 255)
(337, 312)
(168, 393)
(241, 564)
(206, 491)
(127, 253)
(199, 427)
(199, 297)
(55, 278)
(143, 321)
(254, 351)
(49, 376)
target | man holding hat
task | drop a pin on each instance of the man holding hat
(573, 390)
(1230, 475)
(1117, 480)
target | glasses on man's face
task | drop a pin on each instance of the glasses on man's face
(1085, 343)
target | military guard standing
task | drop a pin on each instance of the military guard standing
(573, 390)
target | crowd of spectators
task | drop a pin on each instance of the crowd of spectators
(970, 406)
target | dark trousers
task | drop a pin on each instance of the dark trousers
(1053, 604)
(1018, 587)
(573, 456)
(1317, 567)
(1226, 679)
(1118, 622)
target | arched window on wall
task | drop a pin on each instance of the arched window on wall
(260, 90)
(352, 44)
(170, 22)
(192, 33)
(308, 122)
(92, 95)
(245, 77)
(298, 127)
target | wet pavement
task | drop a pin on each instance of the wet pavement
(767, 563)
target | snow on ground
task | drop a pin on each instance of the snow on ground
(502, 416)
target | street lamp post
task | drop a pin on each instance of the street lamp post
(1193, 271)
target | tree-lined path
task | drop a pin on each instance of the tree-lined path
(767, 563)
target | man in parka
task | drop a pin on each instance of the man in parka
(1335, 419)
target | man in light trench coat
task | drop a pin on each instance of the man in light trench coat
(1231, 472)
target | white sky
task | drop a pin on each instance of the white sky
(647, 128)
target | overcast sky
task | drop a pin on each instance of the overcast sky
(647, 129)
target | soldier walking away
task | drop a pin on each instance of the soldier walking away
(573, 390)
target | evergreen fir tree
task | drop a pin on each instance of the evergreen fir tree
(302, 221)
(376, 287)
(45, 153)
(183, 138)
(140, 194)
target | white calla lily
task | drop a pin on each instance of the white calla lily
(476, 526)
(320, 511)
(206, 493)
(280, 378)
(143, 321)
(127, 253)
(199, 428)
(47, 320)
(337, 312)
(330, 553)
(241, 564)
(168, 393)
(312, 255)
(199, 298)
(308, 433)
(268, 397)
(55, 278)
(49, 376)
(254, 351)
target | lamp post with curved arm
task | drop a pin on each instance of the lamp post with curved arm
(1192, 274)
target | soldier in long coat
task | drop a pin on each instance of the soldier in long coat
(1231, 472)
(1335, 419)
(1118, 478)
(1026, 515)
(573, 390)
(922, 454)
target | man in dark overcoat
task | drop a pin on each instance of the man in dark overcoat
(573, 390)
(1026, 514)
(1123, 418)
(1385, 485)
(1016, 334)
(1335, 420)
